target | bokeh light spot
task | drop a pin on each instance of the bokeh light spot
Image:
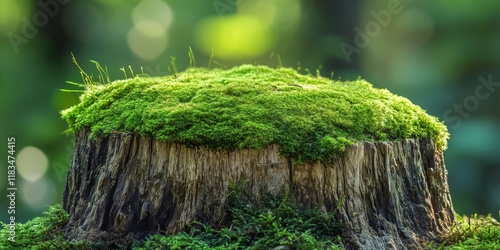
(148, 38)
(145, 40)
(11, 12)
(38, 194)
(153, 10)
(264, 10)
(31, 163)
(234, 37)
(150, 28)
(282, 15)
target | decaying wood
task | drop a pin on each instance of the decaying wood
(125, 186)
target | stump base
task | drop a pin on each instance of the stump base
(125, 186)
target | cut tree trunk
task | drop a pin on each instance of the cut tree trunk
(124, 186)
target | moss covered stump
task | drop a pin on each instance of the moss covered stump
(153, 154)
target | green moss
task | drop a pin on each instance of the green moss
(43, 233)
(312, 118)
(476, 232)
(273, 222)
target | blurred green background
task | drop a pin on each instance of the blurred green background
(439, 54)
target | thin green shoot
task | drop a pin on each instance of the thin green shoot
(211, 58)
(220, 65)
(131, 71)
(174, 67)
(192, 60)
(102, 73)
(107, 73)
(124, 72)
(72, 90)
(76, 84)
(85, 77)
(280, 64)
(318, 71)
(270, 58)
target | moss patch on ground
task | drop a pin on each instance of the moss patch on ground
(311, 117)
(260, 226)
(475, 232)
(43, 233)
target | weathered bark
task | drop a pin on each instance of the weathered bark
(125, 186)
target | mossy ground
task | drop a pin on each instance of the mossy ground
(260, 226)
(475, 232)
(271, 222)
(311, 117)
(43, 233)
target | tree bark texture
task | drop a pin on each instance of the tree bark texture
(123, 186)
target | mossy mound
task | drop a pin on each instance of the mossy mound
(312, 118)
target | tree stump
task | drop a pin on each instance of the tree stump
(121, 186)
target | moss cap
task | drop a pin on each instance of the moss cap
(311, 118)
